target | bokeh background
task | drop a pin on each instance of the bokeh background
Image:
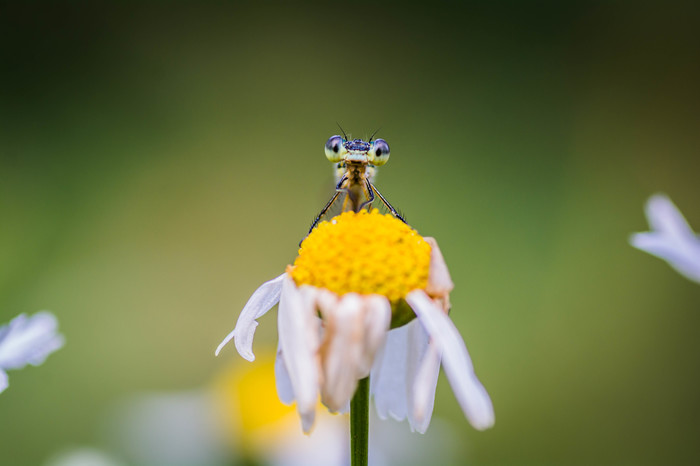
(158, 162)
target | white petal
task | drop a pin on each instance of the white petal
(424, 386)
(326, 300)
(470, 394)
(376, 326)
(341, 351)
(29, 340)
(684, 257)
(345, 409)
(285, 392)
(664, 217)
(388, 378)
(416, 353)
(672, 239)
(299, 329)
(3, 381)
(264, 298)
(405, 376)
(439, 280)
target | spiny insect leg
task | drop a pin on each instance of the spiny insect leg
(370, 195)
(338, 190)
(393, 211)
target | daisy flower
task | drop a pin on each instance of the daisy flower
(366, 295)
(27, 340)
(671, 238)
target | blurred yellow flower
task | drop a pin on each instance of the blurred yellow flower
(248, 397)
(263, 428)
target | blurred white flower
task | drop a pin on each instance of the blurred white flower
(237, 419)
(27, 340)
(174, 429)
(336, 306)
(83, 456)
(671, 238)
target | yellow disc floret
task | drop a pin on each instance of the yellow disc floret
(366, 253)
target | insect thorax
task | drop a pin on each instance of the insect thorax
(354, 171)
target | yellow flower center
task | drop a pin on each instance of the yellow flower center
(365, 253)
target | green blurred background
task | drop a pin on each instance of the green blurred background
(158, 162)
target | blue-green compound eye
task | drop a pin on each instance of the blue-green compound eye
(335, 148)
(379, 152)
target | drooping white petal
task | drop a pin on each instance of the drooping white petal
(342, 350)
(29, 340)
(404, 376)
(299, 328)
(416, 353)
(470, 394)
(388, 378)
(376, 326)
(671, 239)
(3, 380)
(262, 300)
(285, 392)
(424, 385)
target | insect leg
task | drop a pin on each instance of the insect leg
(386, 203)
(338, 190)
(370, 195)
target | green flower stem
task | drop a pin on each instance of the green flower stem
(359, 424)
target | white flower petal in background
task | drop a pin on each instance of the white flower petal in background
(83, 457)
(391, 443)
(671, 238)
(174, 429)
(327, 445)
(27, 340)
(3, 380)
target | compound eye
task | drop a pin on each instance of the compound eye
(379, 152)
(335, 149)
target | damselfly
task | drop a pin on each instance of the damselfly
(355, 165)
